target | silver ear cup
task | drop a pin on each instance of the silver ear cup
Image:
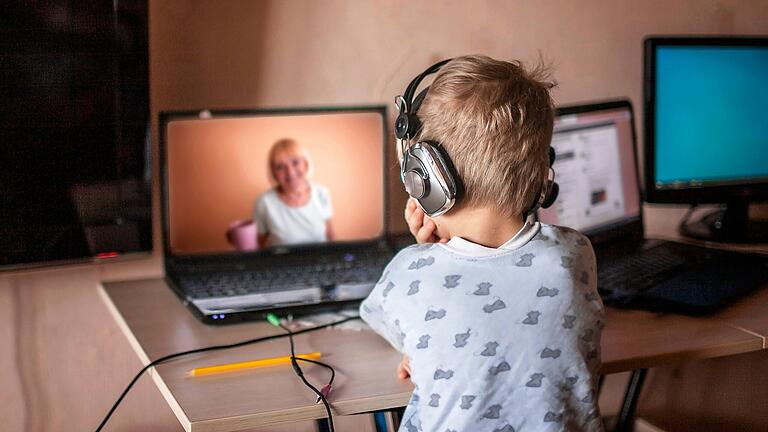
(415, 185)
(426, 177)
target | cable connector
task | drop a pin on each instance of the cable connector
(325, 391)
(273, 319)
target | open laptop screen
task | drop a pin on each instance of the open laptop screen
(595, 168)
(245, 182)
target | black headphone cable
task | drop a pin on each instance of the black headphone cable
(219, 347)
(321, 394)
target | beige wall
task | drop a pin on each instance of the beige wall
(300, 52)
(66, 357)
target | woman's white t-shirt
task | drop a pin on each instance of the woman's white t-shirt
(294, 225)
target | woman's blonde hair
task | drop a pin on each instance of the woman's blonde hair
(494, 120)
(287, 144)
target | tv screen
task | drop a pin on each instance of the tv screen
(74, 125)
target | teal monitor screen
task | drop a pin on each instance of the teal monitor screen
(710, 123)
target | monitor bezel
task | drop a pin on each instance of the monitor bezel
(281, 253)
(743, 191)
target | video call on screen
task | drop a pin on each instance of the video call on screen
(218, 169)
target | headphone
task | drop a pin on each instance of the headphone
(425, 168)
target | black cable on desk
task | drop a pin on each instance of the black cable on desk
(300, 373)
(211, 348)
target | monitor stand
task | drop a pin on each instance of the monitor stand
(729, 224)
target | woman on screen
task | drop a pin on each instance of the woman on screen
(295, 210)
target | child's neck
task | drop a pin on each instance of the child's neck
(480, 225)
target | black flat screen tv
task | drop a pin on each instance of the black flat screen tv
(74, 131)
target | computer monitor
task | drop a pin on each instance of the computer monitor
(595, 167)
(706, 135)
(222, 181)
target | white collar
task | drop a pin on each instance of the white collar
(465, 247)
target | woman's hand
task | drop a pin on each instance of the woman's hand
(404, 368)
(421, 226)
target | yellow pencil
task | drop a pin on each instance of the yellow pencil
(229, 367)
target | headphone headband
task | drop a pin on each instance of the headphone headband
(411, 89)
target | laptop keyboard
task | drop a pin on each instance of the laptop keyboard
(679, 277)
(637, 272)
(266, 280)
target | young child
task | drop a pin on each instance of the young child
(497, 315)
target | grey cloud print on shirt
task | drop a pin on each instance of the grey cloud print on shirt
(533, 318)
(569, 321)
(566, 261)
(567, 384)
(388, 288)
(452, 281)
(535, 380)
(410, 427)
(526, 260)
(587, 336)
(423, 342)
(550, 353)
(502, 367)
(438, 314)
(434, 400)
(490, 349)
(414, 287)
(442, 374)
(492, 412)
(551, 417)
(421, 262)
(461, 339)
(547, 292)
(592, 354)
(584, 277)
(399, 330)
(506, 428)
(483, 288)
(383, 277)
(466, 401)
(496, 305)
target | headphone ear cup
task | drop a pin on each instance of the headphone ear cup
(553, 190)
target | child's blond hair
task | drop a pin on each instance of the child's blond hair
(494, 120)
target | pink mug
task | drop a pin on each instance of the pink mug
(242, 235)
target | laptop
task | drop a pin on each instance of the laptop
(596, 168)
(243, 238)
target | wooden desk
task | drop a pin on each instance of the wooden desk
(156, 324)
(749, 314)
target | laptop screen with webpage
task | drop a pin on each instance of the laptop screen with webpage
(218, 169)
(595, 168)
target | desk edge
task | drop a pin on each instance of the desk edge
(144, 358)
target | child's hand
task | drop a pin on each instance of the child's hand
(421, 226)
(404, 368)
